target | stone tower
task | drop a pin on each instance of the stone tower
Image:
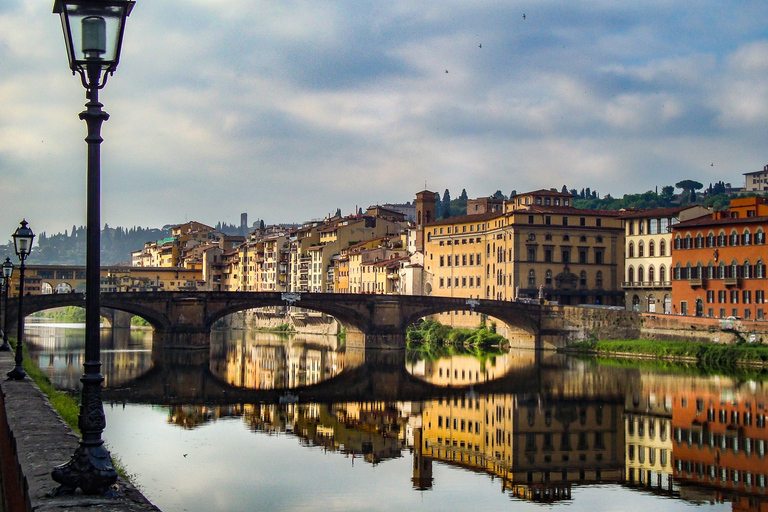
(425, 214)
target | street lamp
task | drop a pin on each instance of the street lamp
(22, 243)
(7, 273)
(93, 34)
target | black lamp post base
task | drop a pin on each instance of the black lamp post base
(17, 373)
(5, 347)
(90, 469)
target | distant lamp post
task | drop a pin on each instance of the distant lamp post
(93, 34)
(22, 243)
(7, 273)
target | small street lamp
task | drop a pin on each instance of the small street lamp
(22, 243)
(7, 273)
(93, 34)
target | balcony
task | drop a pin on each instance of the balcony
(731, 281)
(697, 282)
(647, 284)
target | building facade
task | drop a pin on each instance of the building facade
(648, 256)
(719, 262)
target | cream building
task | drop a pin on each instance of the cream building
(648, 259)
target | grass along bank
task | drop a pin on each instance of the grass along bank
(711, 354)
(65, 403)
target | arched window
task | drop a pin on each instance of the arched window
(760, 269)
(710, 270)
(548, 277)
(678, 242)
(699, 241)
(734, 239)
(651, 249)
(631, 253)
(631, 274)
(746, 237)
(662, 273)
(651, 273)
(722, 239)
(688, 241)
(599, 278)
(640, 249)
(531, 277)
(721, 270)
(746, 273)
(734, 269)
(635, 303)
(711, 239)
(662, 248)
(688, 271)
(699, 271)
(759, 237)
(640, 274)
(678, 272)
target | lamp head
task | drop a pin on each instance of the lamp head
(22, 240)
(7, 268)
(93, 34)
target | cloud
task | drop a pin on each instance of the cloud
(289, 111)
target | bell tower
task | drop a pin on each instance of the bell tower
(425, 214)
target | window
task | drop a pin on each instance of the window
(531, 277)
(566, 255)
(631, 250)
(531, 254)
(548, 277)
(582, 256)
(662, 248)
(640, 250)
(599, 278)
(583, 278)
(651, 249)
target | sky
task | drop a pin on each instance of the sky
(289, 110)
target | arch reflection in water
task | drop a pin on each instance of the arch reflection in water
(259, 360)
(58, 350)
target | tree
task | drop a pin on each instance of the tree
(690, 187)
(463, 196)
(564, 190)
(512, 194)
(498, 195)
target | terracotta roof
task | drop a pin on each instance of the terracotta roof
(635, 213)
(707, 220)
(467, 218)
(540, 208)
(544, 192)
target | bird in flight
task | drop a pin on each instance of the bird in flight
(481, 45)
(523, 15)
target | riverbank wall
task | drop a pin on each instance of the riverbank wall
(33, 440)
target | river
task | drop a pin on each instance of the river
(487, 432)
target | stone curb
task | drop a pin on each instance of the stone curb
(43, 440)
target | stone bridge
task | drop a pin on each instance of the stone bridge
(184, 319)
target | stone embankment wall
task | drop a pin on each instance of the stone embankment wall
(313, 323)
(580, 323)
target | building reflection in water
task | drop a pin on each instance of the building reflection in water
(696, 438)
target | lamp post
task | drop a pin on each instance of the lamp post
(22, 244)
(7, 273)
(93, 34)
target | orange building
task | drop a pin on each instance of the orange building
(719, 443)
(719, 262)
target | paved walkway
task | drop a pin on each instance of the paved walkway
(43, 440)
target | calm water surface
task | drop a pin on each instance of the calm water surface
(511, 431)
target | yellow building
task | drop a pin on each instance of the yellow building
(539, 247)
